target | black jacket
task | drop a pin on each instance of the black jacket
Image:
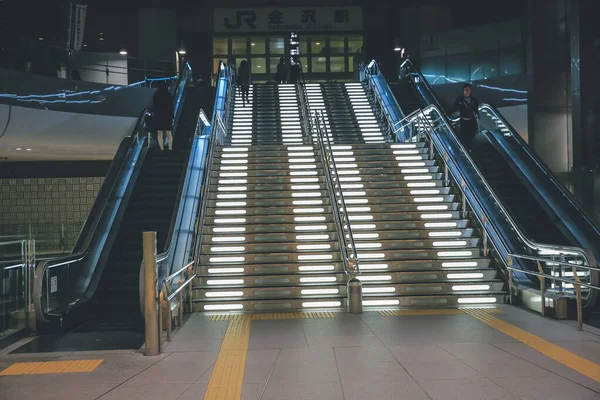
(468, 107)
(162, 108)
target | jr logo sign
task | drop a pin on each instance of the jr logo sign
(249, 17)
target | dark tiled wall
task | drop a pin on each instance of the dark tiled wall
(51, 210)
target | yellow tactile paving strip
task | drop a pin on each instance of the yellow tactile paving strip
(485, 315)
(571, 360)
(51, 367)
(441, 311)
(272, 316)
(228, 374)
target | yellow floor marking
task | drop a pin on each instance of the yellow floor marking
(571, 360)
(273, 316)
(51, 367)
(440, 311)
(228, 373)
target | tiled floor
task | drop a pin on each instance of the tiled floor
(350, 357)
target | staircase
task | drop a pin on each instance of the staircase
(269, 240)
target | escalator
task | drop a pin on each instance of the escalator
(155, 197)
(91, 299)
(521, 203)
(407, 97)
(534, 215)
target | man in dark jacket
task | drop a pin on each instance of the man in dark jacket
(468, 107)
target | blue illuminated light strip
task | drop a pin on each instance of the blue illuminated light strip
(38, 97)
(502, 89)
(436, 77)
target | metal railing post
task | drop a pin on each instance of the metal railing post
(577, 287)
(150, 307)
(542, 288)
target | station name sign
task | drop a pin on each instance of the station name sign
(300, 19)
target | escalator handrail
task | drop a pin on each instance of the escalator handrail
(542, 166)
(433, 97)
(373, 69)
(215, 135)
(133, 152)
(188, 78)
(501, 242)
(585, 253)
(533, 245)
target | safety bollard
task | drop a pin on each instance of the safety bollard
(152, 347)
(354, 296)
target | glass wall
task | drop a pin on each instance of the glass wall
(473, 54)
(320, 54)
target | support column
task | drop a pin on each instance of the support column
(585, 64)
(549, 106)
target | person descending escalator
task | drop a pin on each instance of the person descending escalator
(468, 107)
(163, 114)
(243, 80)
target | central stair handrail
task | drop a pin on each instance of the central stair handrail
(305, 106)
(340, 212)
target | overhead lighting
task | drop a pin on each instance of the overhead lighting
(19, 149)
(181, 52)
(252, 44)
(101, 38)
(40, 38)
(123, 52)
(28, 149)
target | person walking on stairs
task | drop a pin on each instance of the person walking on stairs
(243, 80)
(468, 107)
(163, 114)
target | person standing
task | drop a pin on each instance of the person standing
(244, 80)
(162, 118)
(468, 107)
(282, 73)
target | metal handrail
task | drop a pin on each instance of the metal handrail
(175, 274)
(420, 116)
(351, 261)
(576, 282)
(214, 139)
(408, 70)
(567, 250)
(204, 196)
(384, 109)
(305, 105)
(407, 64)
(165, 299)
